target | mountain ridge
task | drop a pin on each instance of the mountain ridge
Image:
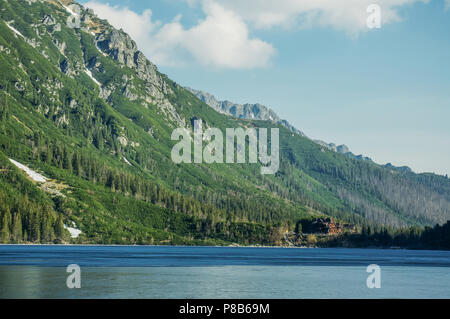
(261, 112)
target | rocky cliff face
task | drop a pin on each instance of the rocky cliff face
(243, 111)
(146, 86)
(119, 46)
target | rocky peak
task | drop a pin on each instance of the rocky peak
(243, 111)
(261, 112)
(403, 169)
(119, 46)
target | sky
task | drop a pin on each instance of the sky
(384, 92)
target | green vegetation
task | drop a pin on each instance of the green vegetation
(437, 237)
(27, 214)
(108, 149)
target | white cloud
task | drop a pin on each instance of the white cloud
(346, 15)
(137, 25)
(220, 40)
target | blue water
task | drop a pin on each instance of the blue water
(220, 272)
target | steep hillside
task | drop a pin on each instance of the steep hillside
(86, 109)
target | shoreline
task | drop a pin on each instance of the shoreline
(125, 245)
(231, 246)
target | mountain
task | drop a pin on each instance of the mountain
(85, 145)
(264, 113)
(243, 111)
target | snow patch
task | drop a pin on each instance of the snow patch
(32, 174)
(74, 232)
(15, 30)
(70, 11)
(126, 161)
(103, 53)
(89, 73)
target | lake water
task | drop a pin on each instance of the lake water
(220, 272)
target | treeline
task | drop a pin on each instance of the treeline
(226, 220)
(378, 194)
(302, 190)
(28, 216)
(25, 214)
(437, 237)
(202, 204)
(24, 221)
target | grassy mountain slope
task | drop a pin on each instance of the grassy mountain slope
(88, 110)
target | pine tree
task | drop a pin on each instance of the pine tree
(17, 228)
(76, 163)
(5, 234)
(4, 112)
(67, 162)
(59, 227)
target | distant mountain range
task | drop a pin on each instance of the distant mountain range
(261, 112)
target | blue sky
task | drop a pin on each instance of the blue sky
(384, 92)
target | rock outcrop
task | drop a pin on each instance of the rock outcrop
(243, 111)
(264, 113)
(327, 226)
